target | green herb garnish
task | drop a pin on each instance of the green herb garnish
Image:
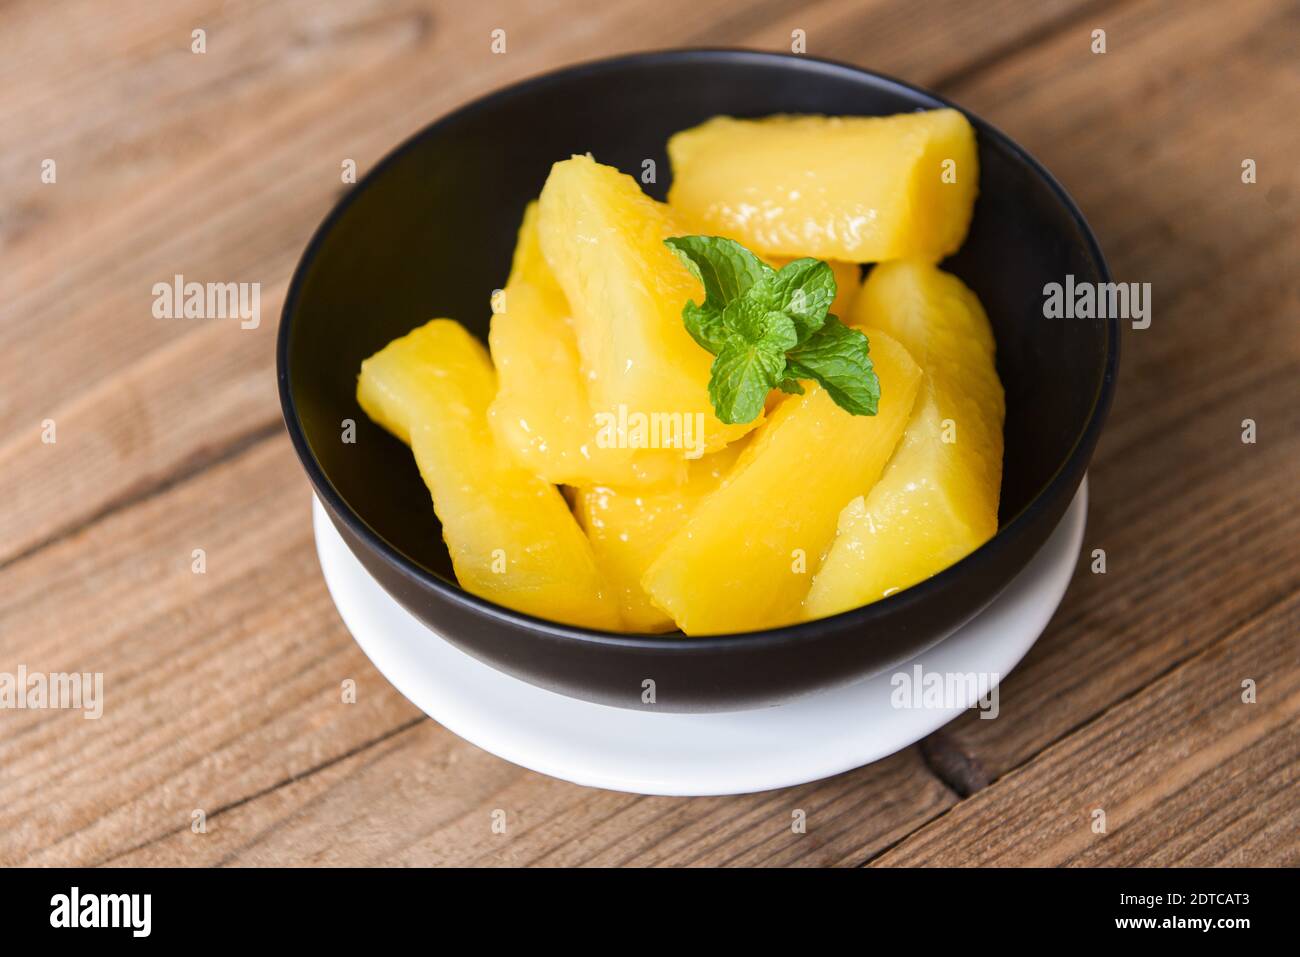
(770, 328)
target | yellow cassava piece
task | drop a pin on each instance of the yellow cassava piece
(746, 556)
(853, 188)
(629, 527)
(603, 239)
(541, 412)
(937, 500)
(511, 536)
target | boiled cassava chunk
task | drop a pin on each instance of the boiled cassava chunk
(937, 500)
(746, 556)
(603, 239)
(511, 536)
(854, 188)
(629, 527)
(541, 412)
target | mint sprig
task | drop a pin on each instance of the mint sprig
(770, 328)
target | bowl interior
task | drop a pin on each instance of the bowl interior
(430, 233)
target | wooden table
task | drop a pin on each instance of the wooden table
(222, 689)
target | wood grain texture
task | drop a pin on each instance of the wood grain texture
(223, 693)
(218, 167)
(423, 797)
(1200, 530)
(223, 689)
(1185, 772)
(217, 686)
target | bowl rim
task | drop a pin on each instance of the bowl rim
(674, 642)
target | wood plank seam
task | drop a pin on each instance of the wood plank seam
(593, 824)
(272, 788)
(996, 57)
(746, 19)
(1215, 649)
(373, 752)
(185, 472)
(627, 860)
(768, 800)
(1043, 34)
(816, 840)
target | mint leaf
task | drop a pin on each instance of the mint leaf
(705, 326)
(836, 357)
(742, 376)
(750, 319)
(804, 289)
(726, 268)
(728, 271)
(770, 328)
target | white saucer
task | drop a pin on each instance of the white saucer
(688, 754)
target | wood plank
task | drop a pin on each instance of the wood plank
(210, 213)
(171, 163)
(218, 166)
(217, 686)
(425, 798)
(1184, 771)
(1198, 528)
(222, 693)
(178, 409)
(929, 45)
(222, 686)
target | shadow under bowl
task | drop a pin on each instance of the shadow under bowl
(429, 232)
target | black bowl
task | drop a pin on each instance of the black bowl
(429, 232)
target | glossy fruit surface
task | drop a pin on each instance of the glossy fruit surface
(744, 560)
(429, 230)
(603, 238)
(511, 536)
(542, 413)
(854, 188)
(937, 500)
(628, 529)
